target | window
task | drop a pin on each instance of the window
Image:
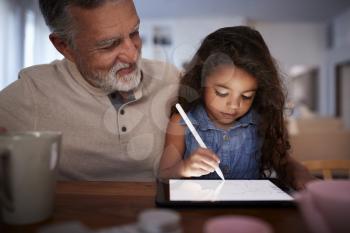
(24, 39)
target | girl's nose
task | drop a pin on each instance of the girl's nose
(233, 103)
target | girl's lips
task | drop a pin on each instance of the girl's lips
(229, 115)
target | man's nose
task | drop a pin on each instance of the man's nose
(129, 51)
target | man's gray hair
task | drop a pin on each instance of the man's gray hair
(58, 19)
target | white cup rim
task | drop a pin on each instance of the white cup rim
(18, 135)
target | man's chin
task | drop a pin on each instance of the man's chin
(129, 85)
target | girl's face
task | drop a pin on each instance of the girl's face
(228, 94)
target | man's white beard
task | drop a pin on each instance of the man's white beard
(112, 81)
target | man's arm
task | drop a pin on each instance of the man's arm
(17, 107)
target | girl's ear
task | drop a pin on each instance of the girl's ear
(62, 46)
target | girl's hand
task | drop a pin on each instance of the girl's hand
(201, 162)
(302, 177)
(297, 174)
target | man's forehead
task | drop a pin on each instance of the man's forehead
(116, 4)
(95, 4)
(108, 16)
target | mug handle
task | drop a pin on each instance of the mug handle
(6, 197)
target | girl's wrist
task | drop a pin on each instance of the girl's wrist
(182, 169)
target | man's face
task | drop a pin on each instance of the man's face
(107, 45)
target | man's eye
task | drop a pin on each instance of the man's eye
(135, 33)
(108, 47)
(220, 93)
(111, 45)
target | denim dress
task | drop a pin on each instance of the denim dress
(239, 147)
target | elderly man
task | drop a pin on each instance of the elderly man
(111, 106)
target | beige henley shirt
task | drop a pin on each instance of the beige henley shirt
(99, 142)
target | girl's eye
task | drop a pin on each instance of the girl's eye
(220, 93)
(244, 97)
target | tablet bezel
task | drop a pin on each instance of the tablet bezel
(163, 198)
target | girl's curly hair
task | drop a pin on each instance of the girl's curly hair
(244, 48)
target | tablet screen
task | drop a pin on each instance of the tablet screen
(228, 190)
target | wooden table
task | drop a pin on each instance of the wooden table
(106, 204)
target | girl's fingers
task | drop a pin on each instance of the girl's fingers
(208, 154)
(204, 166)
(208, 158)
(199, 172)
(201, 162)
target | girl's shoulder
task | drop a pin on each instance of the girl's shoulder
(174, 126)
(175, 118)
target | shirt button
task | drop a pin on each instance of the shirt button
(122, 111)
(226, 137)
(123, 128)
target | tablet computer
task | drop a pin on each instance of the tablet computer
(197, 192)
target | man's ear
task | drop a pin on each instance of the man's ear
(62, 46)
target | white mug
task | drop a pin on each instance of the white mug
(28, 162)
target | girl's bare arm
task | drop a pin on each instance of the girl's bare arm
(172, 165)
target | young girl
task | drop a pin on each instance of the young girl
(233, 96)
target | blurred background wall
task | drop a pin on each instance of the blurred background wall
(310, 41)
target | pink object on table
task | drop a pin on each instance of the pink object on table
(237, 224)
(325, 206)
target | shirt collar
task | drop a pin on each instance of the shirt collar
(76, 75)
(200, 118)
(251, 117)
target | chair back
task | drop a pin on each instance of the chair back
(328, 167)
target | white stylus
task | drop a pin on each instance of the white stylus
(196, 135)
